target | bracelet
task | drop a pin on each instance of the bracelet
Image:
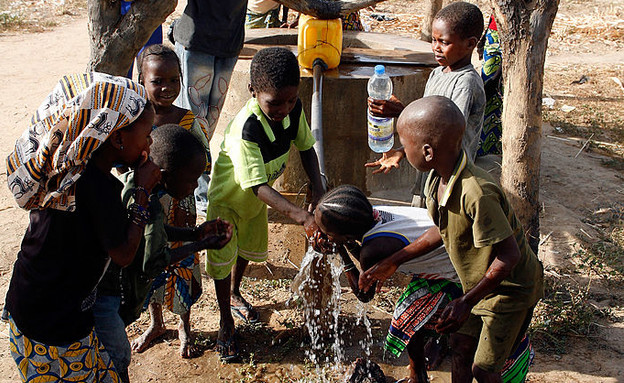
(139, 214)
(141, 188)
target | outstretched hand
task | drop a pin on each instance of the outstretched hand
(454, 316)
(378, 273)
(215, 234)
(389, 160)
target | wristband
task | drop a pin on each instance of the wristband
(139, 214)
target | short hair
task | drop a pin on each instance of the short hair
(156, 51)
(274, 69)
(173, 147)
(346, 210)
(464, 19)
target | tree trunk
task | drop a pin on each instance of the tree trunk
(432, 7)
(116, 39)
(524, 29)
(327, 9)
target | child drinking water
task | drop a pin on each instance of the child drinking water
(373, 234)
(179, 287)
(253, 155)
(122, 292)
(60, 171)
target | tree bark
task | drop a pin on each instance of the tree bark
(524, 29)
(432, 7)
(327, 9)
(116, 39)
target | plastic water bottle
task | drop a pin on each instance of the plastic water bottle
(380, 129)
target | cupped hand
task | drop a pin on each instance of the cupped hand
(215, 234)
(454, 316)
(389, 160)
(147, 174)
(378, 273)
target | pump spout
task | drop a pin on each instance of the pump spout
(316, 117)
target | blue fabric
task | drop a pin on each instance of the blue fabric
(111, 332)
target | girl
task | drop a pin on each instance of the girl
(179, 287)
(373, 235)
(60, 171)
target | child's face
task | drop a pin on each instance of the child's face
(181, 183)
(161, 79)
(136, 139)
(337, 238)
(450, 49)
(276, 104)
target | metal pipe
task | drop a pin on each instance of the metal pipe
(316, 117)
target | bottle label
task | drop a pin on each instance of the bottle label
(379, 128)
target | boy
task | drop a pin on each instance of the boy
(122, 291)
(501, 277)
(455, 32)
(253, 155)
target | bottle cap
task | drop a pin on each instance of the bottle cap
(380, 69)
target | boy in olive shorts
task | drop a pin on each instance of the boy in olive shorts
(502, 279)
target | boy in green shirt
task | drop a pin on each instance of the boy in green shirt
(253, 155)
(501, 277)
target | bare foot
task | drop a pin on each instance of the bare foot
(187, 347)
(141, 343)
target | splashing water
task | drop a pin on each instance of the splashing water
(362, 318)
(318, 286)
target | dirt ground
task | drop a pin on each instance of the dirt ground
(581, 192)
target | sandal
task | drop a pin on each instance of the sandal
(228, 349)
(245, 312)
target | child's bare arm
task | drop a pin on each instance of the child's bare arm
(382, 270)
(210, 235)
(310, 163)
(147, 175)
(506, 255)
(278, 202)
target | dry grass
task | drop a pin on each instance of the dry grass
(37, 16)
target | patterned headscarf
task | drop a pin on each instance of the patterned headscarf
(73, 121)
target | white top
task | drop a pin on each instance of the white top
(261, 6)
(407, 224)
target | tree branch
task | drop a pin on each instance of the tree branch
(327, 9)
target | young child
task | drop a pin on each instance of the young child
(253, 155)
(179, 287)
(455, 31)
(370, 234)
(123, 291)
(501, 277)
(60, 171)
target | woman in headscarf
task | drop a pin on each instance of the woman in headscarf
(60, 171)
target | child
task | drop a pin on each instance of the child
(501, 277)
(179, 287)
(346, 216)
(60, 171)
(455, 31)
(122, 292)
(253, 155)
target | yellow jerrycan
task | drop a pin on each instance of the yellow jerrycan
(319, 39)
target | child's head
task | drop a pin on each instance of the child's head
(159, 72)
(344, 214)
(431, 131)
(181, 157)
(455, 32)
(274, 81)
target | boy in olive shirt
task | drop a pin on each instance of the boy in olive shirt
(501, 277)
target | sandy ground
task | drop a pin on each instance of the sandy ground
(571, 187)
